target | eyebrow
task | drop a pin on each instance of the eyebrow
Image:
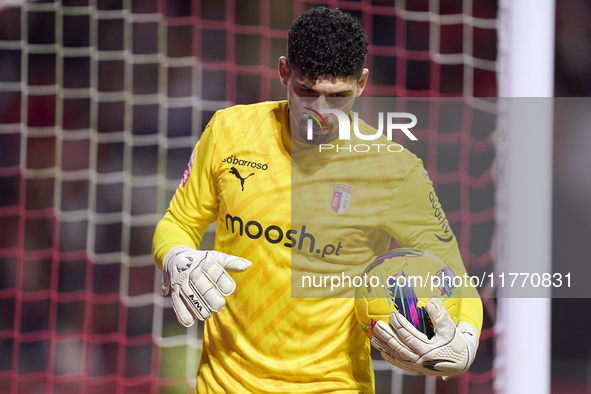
(309, 88)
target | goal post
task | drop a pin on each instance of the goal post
(525, 170)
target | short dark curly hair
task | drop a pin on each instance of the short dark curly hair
(327, 42)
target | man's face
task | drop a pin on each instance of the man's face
(305, 97)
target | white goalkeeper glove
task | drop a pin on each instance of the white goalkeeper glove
(449, 352)
(198, 282)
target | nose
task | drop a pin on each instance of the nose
(319, 103)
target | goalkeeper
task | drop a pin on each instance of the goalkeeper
(257, 337)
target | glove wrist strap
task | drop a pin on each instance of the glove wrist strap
(172, 253)
(470, 333)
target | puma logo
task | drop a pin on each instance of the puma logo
(235, 172)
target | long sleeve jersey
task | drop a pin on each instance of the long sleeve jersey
(292, 210)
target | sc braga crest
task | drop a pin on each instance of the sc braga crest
(341, 197)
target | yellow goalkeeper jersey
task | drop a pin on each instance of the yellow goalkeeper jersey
(296, 213)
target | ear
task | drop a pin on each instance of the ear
(283, 70)
(362, 81)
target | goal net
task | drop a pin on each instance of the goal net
(101, 103)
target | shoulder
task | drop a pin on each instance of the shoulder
(243, 128)
(241, 121)
(398, 159)
(241, 113)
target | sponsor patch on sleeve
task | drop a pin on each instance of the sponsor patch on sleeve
(187, 173)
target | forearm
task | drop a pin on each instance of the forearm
(472, 312)
(471, 304)
(171, 232)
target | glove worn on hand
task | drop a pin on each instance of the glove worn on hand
(198, 282)
(449, 352)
